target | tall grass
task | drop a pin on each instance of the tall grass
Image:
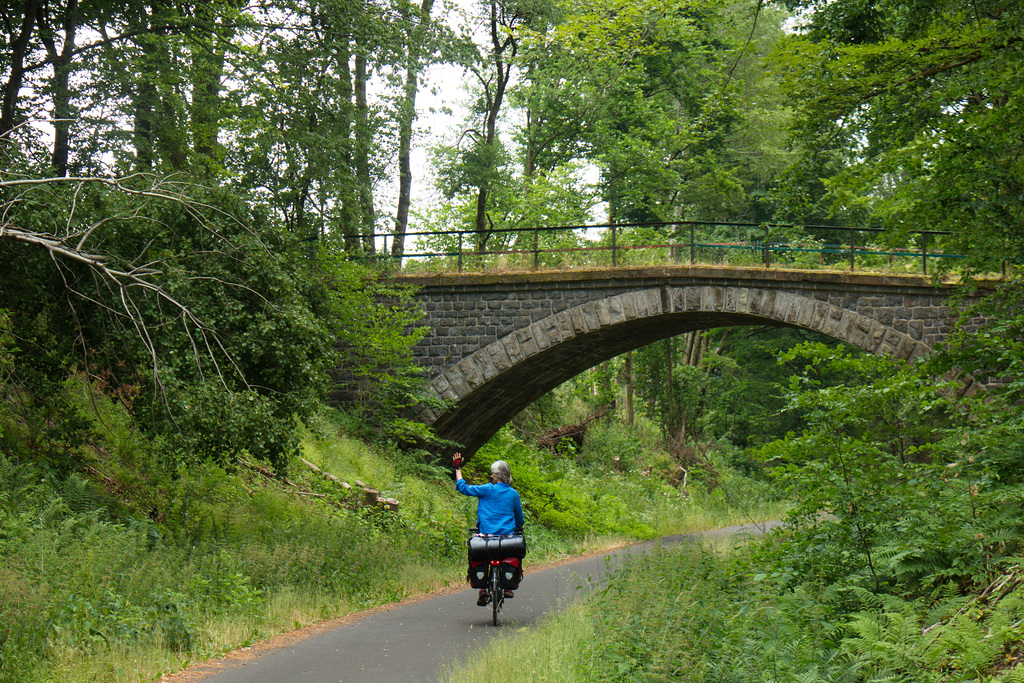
(705, 614)
(132, 568)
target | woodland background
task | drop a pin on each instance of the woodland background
(198, 204)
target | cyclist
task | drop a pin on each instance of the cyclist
(498, 510)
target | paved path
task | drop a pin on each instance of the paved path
(412, 641)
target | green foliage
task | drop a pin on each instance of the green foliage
(690, 612)
(611, 439)
(687, 612)
(375, 377)
(891, 485)
(731, 390)
(561, 496)
(913, 100)
(147, 553)
(84, 574)
(515, 206)
(224, 316)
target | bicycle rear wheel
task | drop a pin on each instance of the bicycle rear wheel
(497, 594)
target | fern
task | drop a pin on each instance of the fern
(77, 493)
(1014, 676)
(885, 641)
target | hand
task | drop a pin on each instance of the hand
(458, 460)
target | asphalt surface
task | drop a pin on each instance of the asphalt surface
(416, 641)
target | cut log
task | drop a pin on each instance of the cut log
(370, 496)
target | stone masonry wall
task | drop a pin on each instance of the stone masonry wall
(466, 312)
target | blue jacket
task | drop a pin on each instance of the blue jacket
(499, 510)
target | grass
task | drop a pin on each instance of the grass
(137, 571)
(553, 652)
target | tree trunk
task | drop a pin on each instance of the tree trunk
(501, 43)
(142, 125)
(407, 117)
(208, 69)
(12, 88)
(348, 218)
(670, 362)
(628, 372)
(146, 102)
(62, 111)
(158, 135)
(362, 142)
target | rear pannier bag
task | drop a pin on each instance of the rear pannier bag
(511, 573)
(478, 573)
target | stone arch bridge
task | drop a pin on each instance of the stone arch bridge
(499, 341)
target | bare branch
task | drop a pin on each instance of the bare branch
(121, 275)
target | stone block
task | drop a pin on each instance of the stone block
(527, 344)
(764, 303)
(578, 320)
(873, 337)
(615, 312)
(590, 315)
(692, 297)
(654, 302)
(629, 308)
(742, 300)
(784, 302)
(513, 349)
(538, 332)
(458, 386)
(440, 385)
(905, 348)
(478, 368)
(499, 357)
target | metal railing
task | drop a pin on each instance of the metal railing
(620, 244)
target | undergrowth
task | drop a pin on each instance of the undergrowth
(130, 566)
(697, 614)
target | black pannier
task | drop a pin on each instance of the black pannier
(479, 571)
(510, 574)
(496, 547)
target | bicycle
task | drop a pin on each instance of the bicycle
(495, 550)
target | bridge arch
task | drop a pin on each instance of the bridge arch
(488, 384)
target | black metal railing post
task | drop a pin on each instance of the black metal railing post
(460, 251)
(924, 253)
(767, 252)
(853, 239)
(615, 260)
(536, 248)
(693, 246)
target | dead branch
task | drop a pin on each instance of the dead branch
(552, 439)
(123, 278)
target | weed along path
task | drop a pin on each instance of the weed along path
(410, 641)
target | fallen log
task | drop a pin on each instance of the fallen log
(552, 439)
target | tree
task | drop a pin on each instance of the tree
(921, 97)
(897, 485)
(182, 299)
(417, 35)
